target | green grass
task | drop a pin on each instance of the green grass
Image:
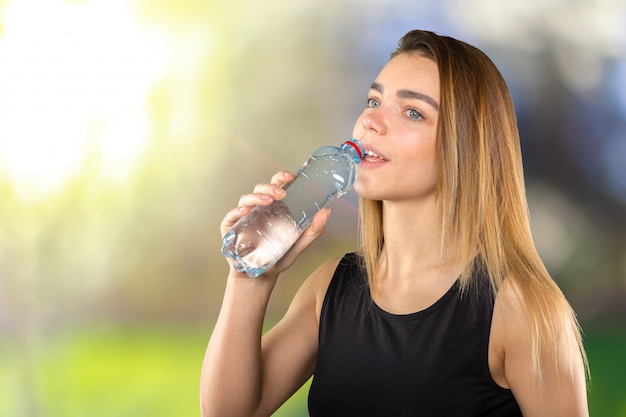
(111, 372)
(606, 350)
(139, 371)
(116, 372)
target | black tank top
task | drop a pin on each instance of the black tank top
(430, 363)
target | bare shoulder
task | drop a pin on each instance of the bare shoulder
(542, 362)
(314, 288)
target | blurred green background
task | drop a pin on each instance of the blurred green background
(128, 128)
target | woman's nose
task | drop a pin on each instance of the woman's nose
(373, 121)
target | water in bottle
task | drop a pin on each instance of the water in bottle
(263, 236)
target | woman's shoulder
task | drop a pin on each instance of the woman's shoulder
(322, 276)
(512, 315)
(540, 352)
(318, 282)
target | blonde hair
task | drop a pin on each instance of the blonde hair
(480, 186)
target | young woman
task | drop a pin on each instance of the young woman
(447, 309)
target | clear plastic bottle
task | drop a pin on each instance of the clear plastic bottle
(263, 236)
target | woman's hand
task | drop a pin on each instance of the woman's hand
(264, 194)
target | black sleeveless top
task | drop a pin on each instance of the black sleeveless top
(430, 363)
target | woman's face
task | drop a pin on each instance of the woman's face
(398, 128)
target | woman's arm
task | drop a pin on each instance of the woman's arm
(245, 373)
(561, 391)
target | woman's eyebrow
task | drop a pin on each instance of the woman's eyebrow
(377, 87)
(408, 94)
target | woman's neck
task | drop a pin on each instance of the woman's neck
(413, 239)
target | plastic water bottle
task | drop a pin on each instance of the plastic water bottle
(262, 237)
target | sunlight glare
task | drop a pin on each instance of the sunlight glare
(74, 80)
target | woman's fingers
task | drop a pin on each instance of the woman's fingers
(231, 218)
(262, 195)
(281, 178)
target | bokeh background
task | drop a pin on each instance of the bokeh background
(128, 128)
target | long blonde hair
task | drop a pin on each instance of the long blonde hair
(480, 185)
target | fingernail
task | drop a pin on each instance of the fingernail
(279, 190)
(265, 197)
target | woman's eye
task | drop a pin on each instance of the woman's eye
(371, 102)
(414, 114)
